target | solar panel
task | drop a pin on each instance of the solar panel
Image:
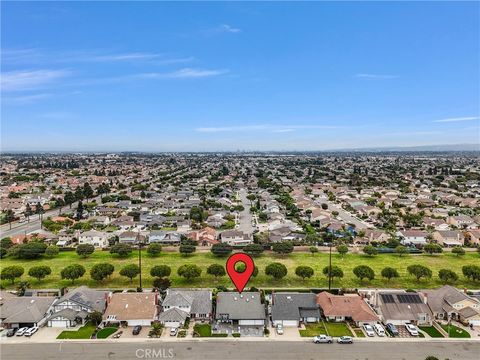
(409, 299)
(387, 299)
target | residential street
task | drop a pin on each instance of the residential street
(345, 215)
(242, 350)
(245, 217)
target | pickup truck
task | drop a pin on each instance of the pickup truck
(320, 339)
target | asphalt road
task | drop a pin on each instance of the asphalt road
(244, 350)
(346, 216)
(245, 217)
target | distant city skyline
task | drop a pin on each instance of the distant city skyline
(151, 76)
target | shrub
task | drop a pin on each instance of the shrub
(419, 271)
(189, 271)
(100, 272)
(11, 273)
(160, 271)
(364, 272)
(276, 270)
(154, 249)
(84, 250)
(304, 272)
(72, 272)
(389, 273)
(39, 272)
(122, 250)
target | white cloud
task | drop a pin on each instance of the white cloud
(185, 73)
(228, 28)
(458, 119)
(25, 99)
(30, 79)
(376, 76)
(265, 127)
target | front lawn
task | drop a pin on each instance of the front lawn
(85, 332)
(455, 331)
(204, 259)
(327, 328)
(203, 330)
(359, 333)
(106, 332)
(431, 331)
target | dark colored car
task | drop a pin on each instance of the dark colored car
(11, 332)
(393, 330)
(136, 330)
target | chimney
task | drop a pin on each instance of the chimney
(425, 298)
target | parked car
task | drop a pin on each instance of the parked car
(323, 339)
(31, 331)
(392, 329)
(369, 330)
(136, 330)
(345, 340)
(21, 331)
(412, 329)
(11, 332)
(117, 335)
(173, 331)
(379, 330)
(279, 329)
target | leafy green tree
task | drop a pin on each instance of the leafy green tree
(370, 250)
(160, 271)
(95, 317)
(187, 249)
(100, 272)
(401, 250)
(276, 270)
(122, 250)
(22, 287)
(30, 250)
(221, 249)
(52, 251)
(240, 267)
(80, 210)
(39, 272)
(253, 249)
(458, 250)
(283, 248)
(313, 249)
(471, 272)
(84, 250)
(216, 270)
(335, 272)
(72, 272)
(364, 272)
(389, 273)
(130, 271)
(433, 249)
(162, 283)
(447, 276)
(304, 272)
(87, 191)
(12, 272)
(189, 271)
(69, 198)
(419, 271)
(342, 250)
(154, 249)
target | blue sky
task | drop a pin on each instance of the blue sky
(238, 76)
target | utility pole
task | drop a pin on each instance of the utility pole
(330, 269)
(139, 260)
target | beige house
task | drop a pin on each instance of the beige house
(472, 237)
(131, 309)
(449, 237)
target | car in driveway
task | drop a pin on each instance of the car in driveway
(173, 331)
(31, 331)
(323, 339)
(136, 330)
(11, 332)
(21, 331)
(279, 329)
(368, 330)
(345, 340)
(412, 329)
(393, 329)
(379, 330)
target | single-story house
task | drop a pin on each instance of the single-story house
(245, 309)
(346, 307)
(291, 309)
(164, 237)
(131, 309)
(449, 237)
(25, 311)
(400, 307)
(180, 304)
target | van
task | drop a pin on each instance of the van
(379, 329)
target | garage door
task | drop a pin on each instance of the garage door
(250, 322)
(58, 323)
(172, 324)
(475, 322)
(289, 323)
(139, 322)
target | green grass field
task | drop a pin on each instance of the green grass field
(317, 262)
(455, 331)
(327, 328)
(431, 331)
(106, 332)
(83, 333)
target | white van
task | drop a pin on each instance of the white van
(379, 329)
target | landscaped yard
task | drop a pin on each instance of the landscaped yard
(359, 333)
(106, 332)
(455, 332)
(431, 331)
(327, 328)
(204, 330)
(85, 332)
(204, 259)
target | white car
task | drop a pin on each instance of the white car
(31, 331)
(173, 331)
(21, 331)
(412, 329)
(379, 330)
(369, 330)
(279, 329)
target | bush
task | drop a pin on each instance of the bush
(31, 250)
(419, 271)
(283, 248)
(160, 271)
(39, 272)
(84, 250)
(236, 335)
(364, 272)
(447, 276)
(370, 250)
(458, 250)
(304, 272)
(122, 250)
(276, 270)
(51, 251)
(100, 272)
(189, 272)
(72, 272)
(11, 273)
(162, 284)
(154, 249)
(221, 249)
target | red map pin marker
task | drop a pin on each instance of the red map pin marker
(240, 279)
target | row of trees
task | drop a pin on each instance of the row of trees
(102, 271)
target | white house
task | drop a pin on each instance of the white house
(94, 237)
(414, 237)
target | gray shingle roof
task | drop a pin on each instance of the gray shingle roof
(93, 299)
(25, 309)
(293, 306)
(173, 314)
(200, 301)
(244, 306)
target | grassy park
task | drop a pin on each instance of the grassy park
(204, 259)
